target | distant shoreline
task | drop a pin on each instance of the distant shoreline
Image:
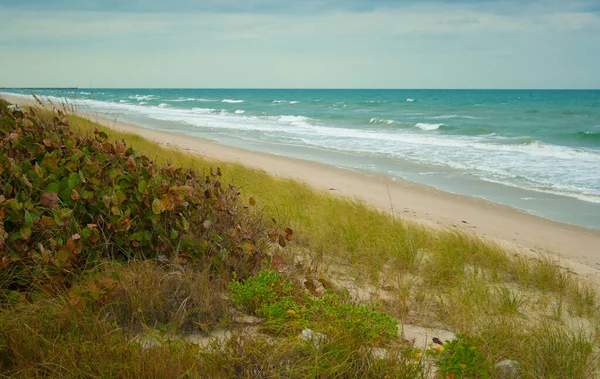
(39, 88)
(305, 89)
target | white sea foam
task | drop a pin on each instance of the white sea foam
(239, 111)
(376, 120)
(142, 97)
(123, 101)
(203, 110)
(542, 167)
(142, 103)
(232, 101)
(409, 100)
(163, 105)
(428, 127)
(182, 99)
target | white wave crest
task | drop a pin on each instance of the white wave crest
(239, 111)
(143, 103)
(122, 101)
(376, 120)
(163, 105)
(182, 99)
(428, 127)
(232, 101)
(203, 110)
(409, 100)
(142, 97)
(284, 102)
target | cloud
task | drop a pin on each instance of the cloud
(542, 43)
(285, 6)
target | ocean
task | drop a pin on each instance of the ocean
(535, 150)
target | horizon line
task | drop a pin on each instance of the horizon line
(306, 89)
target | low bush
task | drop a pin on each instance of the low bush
(69, 201)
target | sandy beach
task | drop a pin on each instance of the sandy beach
(577, 247)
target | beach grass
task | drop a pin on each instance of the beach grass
(509, 306)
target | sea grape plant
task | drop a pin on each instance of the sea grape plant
(68, 201)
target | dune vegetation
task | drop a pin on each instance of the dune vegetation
(123, 258)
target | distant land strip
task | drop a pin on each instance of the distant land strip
(41, 88)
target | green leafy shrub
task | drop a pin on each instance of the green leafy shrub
(271, 296)
(352, 321)
(267, 295)
(67, 202)
(459, 358)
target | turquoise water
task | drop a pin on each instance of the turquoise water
(538, 151)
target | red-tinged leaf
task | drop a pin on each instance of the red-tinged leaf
(38, 170)
(49, 199)
(94, 236)
(281, 241)
(248, 246)
(65, 213)
(131, 166)
(70, 244)
(74, 194)
(62, 257)
(78, 248)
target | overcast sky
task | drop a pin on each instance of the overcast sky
(300, 43)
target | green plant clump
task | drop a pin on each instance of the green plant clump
(459, 358)
(69, 201)
(271, 296)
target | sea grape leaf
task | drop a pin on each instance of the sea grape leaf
(157, 206)
(49, 199)
(142, 185)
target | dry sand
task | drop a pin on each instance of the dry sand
(577, 247)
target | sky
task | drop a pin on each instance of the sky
(300, 43)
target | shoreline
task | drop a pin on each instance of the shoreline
(577, 247)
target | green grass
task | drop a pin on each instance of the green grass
(510, 306)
